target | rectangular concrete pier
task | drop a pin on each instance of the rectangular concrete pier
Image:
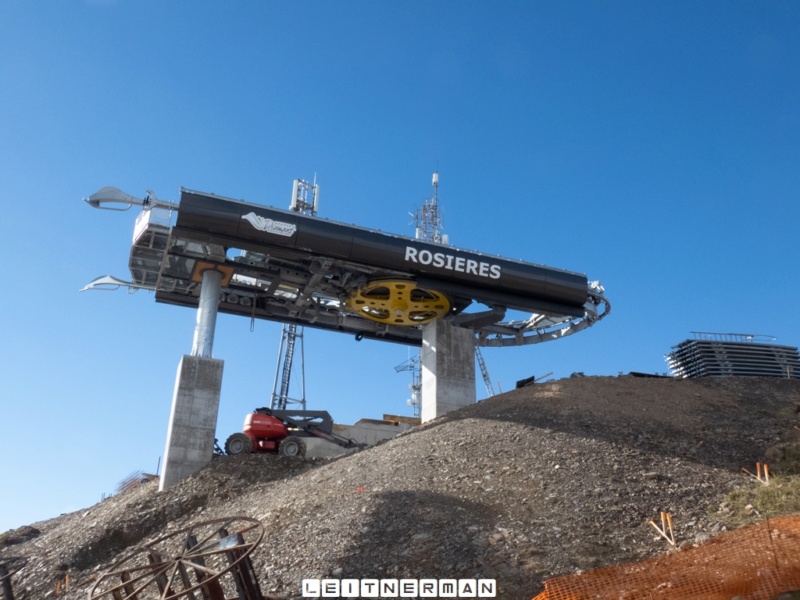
(448, 369)
(193, 420)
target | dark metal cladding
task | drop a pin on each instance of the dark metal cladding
(258, 227)
(361, 328)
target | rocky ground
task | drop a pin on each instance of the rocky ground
(541, 481)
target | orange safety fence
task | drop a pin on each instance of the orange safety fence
(757, 562)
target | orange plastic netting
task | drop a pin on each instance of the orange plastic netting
(757, 562)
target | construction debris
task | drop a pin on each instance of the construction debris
(212, 558)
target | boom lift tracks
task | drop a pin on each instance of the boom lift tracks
(294, 268)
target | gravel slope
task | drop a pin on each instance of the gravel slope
(537, 482)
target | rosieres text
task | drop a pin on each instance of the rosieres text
(451, 262)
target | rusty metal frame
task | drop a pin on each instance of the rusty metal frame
(206, 561)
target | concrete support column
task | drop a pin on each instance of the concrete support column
(448, 369)
(195, 400)
(193, 419)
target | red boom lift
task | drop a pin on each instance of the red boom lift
(282, 432)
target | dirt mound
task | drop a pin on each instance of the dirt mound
(538, 482)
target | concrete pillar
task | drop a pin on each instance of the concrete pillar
(193, 419)
(195, 400)
(448, 369)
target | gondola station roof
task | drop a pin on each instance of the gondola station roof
(296, 268)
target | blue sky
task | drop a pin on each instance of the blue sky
(654, 146)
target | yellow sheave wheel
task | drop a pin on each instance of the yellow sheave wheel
(398, 302)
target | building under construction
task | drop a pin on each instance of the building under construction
(733, 355)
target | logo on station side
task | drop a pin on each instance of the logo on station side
(270, 225)
(451, 262)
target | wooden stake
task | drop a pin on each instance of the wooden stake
(760, 476)
(763, 474)
(666, 525)
(671, 533)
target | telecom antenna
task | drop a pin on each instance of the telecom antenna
(428, 219)
(305, 197)
(305, 200)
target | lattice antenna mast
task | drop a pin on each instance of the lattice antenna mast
(415, 387)
(429, 226)
(487, 381)
(428, 218)
(305, 200)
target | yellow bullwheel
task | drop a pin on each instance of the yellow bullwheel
(398, 302)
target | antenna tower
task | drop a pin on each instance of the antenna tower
(305, 199)
(415, 387)
(428, 227)
(487, 381)
(427, 218)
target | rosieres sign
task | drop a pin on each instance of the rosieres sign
(451, 262)
(298, 242)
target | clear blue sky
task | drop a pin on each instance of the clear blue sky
(654, 146)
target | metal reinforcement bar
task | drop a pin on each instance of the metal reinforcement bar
(207, 561)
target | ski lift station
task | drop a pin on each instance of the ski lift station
(214, 254)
